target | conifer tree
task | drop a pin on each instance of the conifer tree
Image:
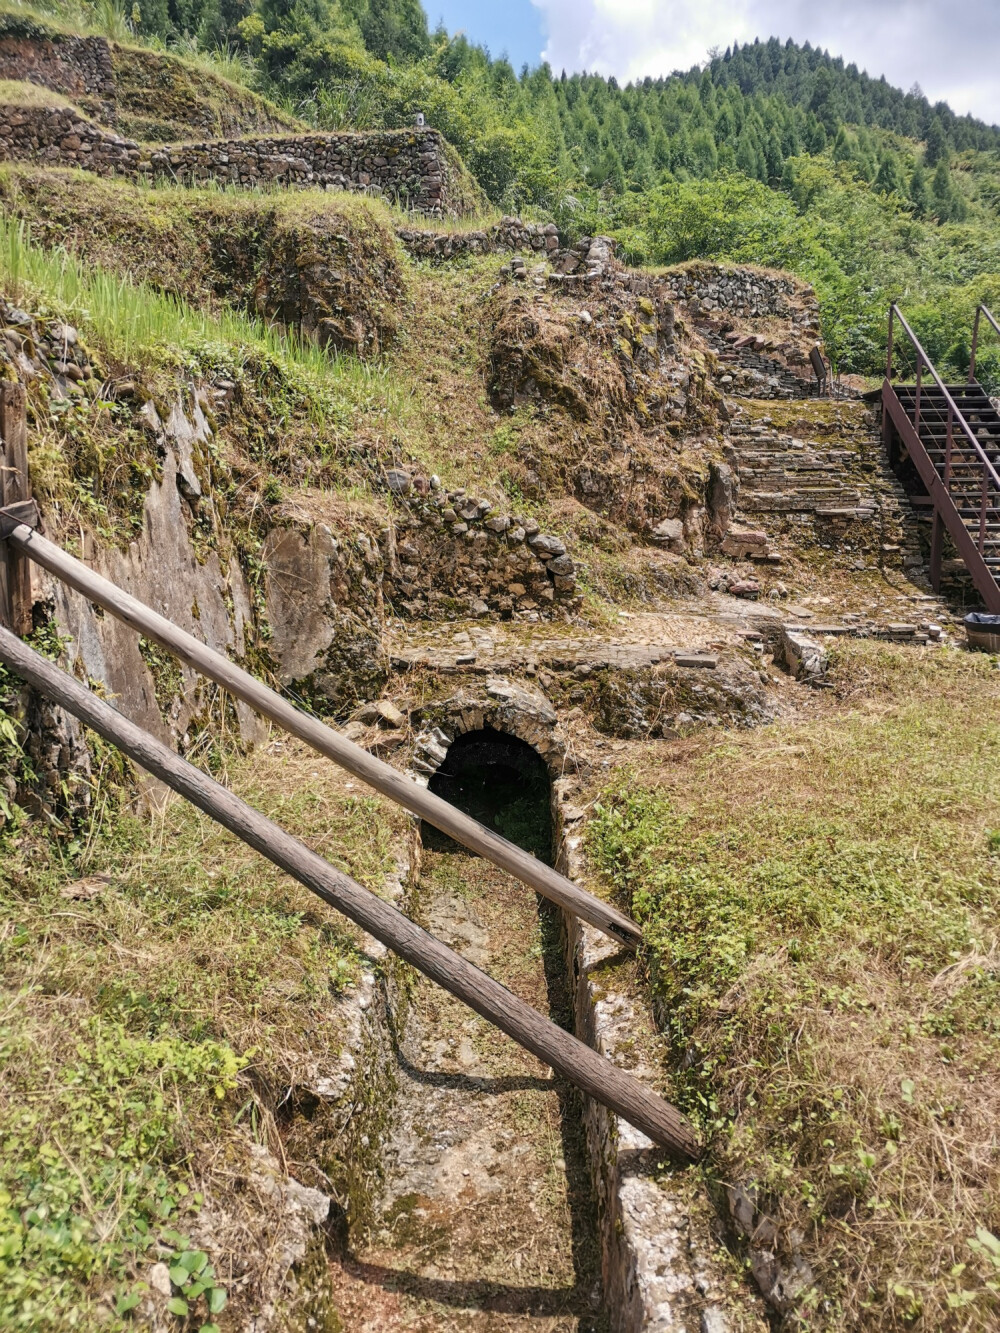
(948, 202)
(890, 175)
(825, 103)
(937, 144)
(920, 195)
(844, 147)
(816, 137)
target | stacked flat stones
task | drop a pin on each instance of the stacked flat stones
(33, 346)
(485, 562)
(585, 263)
(399, 164)
(510, 233)
(58, 137)
(748, 372)
(843, 499)
(76, 66)
(407, 165)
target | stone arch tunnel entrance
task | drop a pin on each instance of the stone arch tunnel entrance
(501, 781)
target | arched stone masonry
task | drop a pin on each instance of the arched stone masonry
(507, 708)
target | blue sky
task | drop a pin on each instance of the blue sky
(953, 53)
(514, 26)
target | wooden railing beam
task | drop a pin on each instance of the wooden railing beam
(620, 1091)
(364, 766)
(15, 493)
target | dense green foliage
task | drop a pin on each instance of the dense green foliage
(772, 153)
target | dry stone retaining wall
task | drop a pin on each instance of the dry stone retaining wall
(58, 136)
(709, 288)
(447, 554)
(406, 165)
(452, 552)
(75, 66)
(510, 233)
(403, 165)
(747, 372)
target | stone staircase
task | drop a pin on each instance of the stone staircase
(838, 493)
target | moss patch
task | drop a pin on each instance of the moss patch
(161, 97)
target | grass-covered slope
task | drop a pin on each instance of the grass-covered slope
(163, 991)
(324, 266)
(162, 97)
(820, 904)
(284, 411)
(159, 95)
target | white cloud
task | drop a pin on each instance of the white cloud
(908, 41)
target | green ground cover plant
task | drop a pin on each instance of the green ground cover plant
(820, 902)
(162, 989)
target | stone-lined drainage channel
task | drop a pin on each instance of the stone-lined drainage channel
(487, 1221)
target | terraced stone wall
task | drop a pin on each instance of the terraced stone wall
(405, 165)
(749, 293)
(452, 552)
(74, 66)
(410, 167)
(510, 233)
(58, 136)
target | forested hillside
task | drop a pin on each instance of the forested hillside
(772, 153)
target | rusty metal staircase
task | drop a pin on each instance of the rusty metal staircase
(951, 435)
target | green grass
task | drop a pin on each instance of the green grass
(301, 414)
(144, 331)
(162, 991)
(820, 906)
(136, 323)
(15, 92)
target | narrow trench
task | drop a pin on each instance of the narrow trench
(489, 1221)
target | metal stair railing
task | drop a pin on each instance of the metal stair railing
(960, 441)
(980, 311)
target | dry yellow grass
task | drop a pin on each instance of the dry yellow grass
(821, 908)
(162, 991)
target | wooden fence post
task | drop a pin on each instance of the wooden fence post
(15, 489)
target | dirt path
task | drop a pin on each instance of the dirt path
(488, 1222)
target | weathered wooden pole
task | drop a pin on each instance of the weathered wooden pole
(15, 569)
(578, 1063)
(403, 790)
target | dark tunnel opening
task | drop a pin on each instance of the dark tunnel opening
(501, 781)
